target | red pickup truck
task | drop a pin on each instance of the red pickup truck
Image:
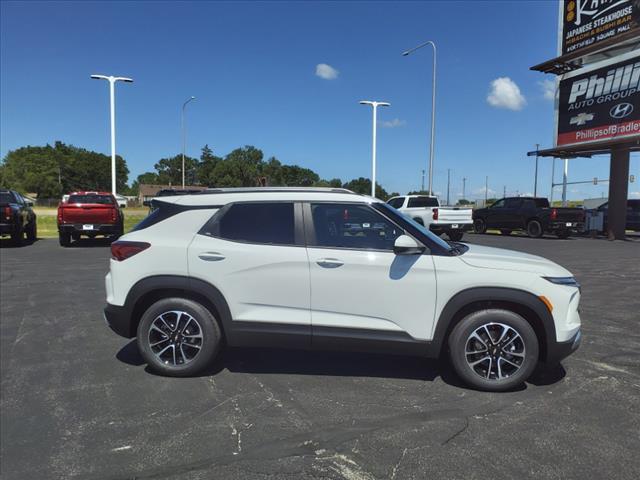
(90, 214)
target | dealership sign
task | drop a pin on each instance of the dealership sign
(589, 22)
(601, 102)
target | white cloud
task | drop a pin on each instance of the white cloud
(396, 122)
(326, 71)
(548, 87)
(505, 93)
(480, 191)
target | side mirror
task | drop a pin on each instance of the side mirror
(405, 245)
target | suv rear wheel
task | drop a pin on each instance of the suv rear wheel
(534, 229)
(178, 337)
(493, 350)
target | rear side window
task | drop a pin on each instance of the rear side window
(396, 202)
(99, 199)
(512, 202)
(417, 202)
(263, 223)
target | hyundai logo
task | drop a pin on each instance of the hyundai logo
(621, 110)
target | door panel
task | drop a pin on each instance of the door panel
(357, 282)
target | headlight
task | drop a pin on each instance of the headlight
(566, 281)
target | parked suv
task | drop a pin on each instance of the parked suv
(17, 218)
(329, 269)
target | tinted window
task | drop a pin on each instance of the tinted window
(99, 199)
(498, 204)
(352, 226)
(512, 203)
(270, 223)
(633, 205)
(541, 202)
(396, 202)
(416, 202)
(6, 197)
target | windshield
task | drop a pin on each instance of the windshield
(6, 197)
(396, 215)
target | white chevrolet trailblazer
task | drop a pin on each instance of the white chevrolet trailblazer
(329, 269)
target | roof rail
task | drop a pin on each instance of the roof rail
(274, 189)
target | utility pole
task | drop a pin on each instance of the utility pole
(504, 191)
(184, 135)
(448, 184)
(535, 182)
(464, 186)
(564, 181)
(553, 174)
(422, 190)
(486, 188)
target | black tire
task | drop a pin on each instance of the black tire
(563, 234)
(205, 323)
(495, 319)
(75, 237)
(455, 235)
(32, 232)
(505, 231)
(534, 229)
(17, 238)
(64, 239)
(479, 225)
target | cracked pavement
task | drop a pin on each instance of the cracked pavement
(77, 401)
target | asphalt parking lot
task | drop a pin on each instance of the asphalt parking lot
(77, 402)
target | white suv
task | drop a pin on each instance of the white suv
(330, 269)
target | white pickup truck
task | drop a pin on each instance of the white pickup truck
(426, 210)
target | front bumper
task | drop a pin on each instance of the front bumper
(103, 229)
(438, 228)
(119, 320)
(560, 350)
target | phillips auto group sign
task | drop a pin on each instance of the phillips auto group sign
(589, 22)
(600, 102)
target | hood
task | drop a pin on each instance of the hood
(500, 259)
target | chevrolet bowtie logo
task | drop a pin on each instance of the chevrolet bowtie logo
(581, 119)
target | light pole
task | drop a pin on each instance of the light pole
(184, 135)
(112, 81)
(433, 108)
(375, 106)
(535, 182)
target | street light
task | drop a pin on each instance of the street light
(184, 136)
(433, 108)
(375, 106)
(112, 81)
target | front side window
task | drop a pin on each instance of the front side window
(498, 204)
(352, 226)
(513, 203)
(266, 223)
(396, 202)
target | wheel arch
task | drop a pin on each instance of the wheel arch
(525, 304)
(151, 289)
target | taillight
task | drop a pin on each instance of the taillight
(122, 250)
(7, 213)
(554, 214)
(114, 215)
(59, 214)
(435, 213)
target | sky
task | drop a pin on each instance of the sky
(287, 77)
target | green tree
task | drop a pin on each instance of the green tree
(240, 168)
(207, 166)
(170, 170)
(363, 186)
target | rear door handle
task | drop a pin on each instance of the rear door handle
(211, 256)
(329, 262)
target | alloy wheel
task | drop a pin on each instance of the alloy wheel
(495, 351)
(175, 338)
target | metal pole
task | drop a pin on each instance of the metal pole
(464, 186)
(184, 136)
(504, 191)
(422, 189)
(448, 184)
(486, 188)
(433, 108)
(373, 159)
(535, 183)
(553, 173)
(112, 102)
(564, 182)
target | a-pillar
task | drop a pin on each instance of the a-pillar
(618, 190)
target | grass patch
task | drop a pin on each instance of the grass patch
(48, 224)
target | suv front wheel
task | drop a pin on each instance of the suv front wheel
(493, 350)
(178, 337)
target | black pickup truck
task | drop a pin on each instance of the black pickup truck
(16, 217)
(533, 215)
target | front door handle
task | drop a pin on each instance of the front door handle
(211, 256)
(329, 262)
